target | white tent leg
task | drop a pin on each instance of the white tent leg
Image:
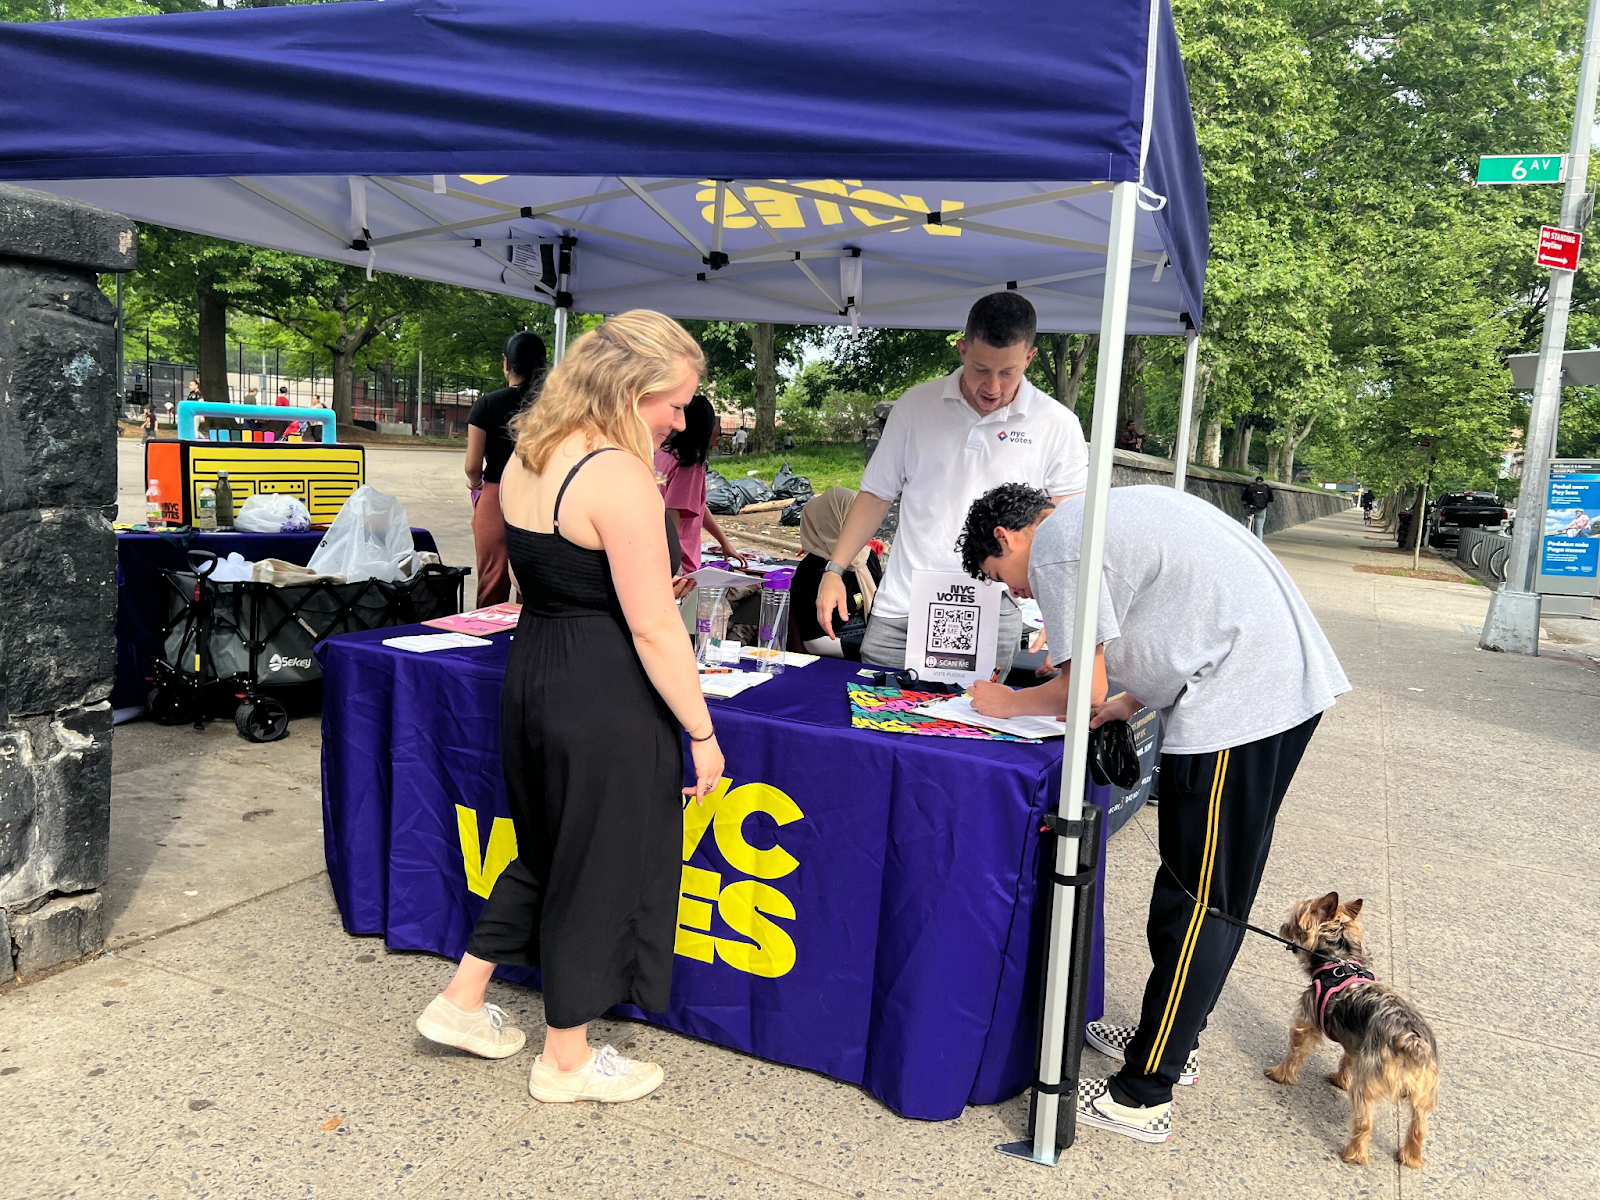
(1108, 376)
(1180, 456)
(559, 350)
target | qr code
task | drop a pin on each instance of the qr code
(953, 628)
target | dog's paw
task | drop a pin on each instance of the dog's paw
(1355, 1154)
(1279, 1074)
(1408, 1160)
(1338, 1081)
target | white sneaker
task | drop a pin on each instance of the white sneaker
(1097, 1108)
(606, 1077)
(484, 1032)
(1112, 1041)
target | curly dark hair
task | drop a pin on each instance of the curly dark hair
(1014, 506)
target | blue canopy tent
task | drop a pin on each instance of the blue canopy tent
(815, 161)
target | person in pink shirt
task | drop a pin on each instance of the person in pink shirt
(681, 472)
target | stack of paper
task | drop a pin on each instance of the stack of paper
(423, 643)
(494, 619)
(726, 686)
(960, 710)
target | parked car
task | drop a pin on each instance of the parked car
(1455, 511)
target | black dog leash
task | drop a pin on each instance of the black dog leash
(1212, 910)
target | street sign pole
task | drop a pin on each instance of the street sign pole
(1512, 623)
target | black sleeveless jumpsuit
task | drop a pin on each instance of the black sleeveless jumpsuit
(593, 764)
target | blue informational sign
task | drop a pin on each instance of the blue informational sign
(1571, 543)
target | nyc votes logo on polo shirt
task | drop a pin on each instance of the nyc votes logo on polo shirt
(1014, 436)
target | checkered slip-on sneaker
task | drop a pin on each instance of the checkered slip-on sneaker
(1097, 1108)
(1112, 1041)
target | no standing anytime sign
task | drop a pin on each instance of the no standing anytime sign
(1558, 248)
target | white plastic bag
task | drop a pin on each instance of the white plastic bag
(369, 539)
(233, 569)
(272, 512)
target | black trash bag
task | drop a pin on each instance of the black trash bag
(786, 485)
(722, 497)
(796, 508)
(755, 492)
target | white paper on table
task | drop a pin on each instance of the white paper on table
(959, 708)
(953, 627)
(423, 643)
(790, 657)
(726, 686)
(715, 577)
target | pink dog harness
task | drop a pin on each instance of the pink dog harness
(1328, 980)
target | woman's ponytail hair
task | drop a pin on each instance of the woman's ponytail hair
(525, 355)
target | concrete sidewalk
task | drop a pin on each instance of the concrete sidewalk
(237, 1043)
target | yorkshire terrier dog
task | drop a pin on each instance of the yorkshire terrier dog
(1389, 1051)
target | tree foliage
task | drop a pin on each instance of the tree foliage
(1361, 296)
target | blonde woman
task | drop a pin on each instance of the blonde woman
(600, 684)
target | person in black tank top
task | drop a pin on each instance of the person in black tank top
(599, 688)
(489, 447)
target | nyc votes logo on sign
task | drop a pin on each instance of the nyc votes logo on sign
(741, 901)
(782, 208)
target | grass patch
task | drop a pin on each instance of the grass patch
(1423, 573)
(826, 466)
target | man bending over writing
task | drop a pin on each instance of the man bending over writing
(1200, 621)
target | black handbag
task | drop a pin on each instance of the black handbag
(1113, 757)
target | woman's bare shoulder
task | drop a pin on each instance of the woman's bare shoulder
(620, 470)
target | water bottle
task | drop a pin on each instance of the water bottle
(152, 506)
(711, 622)
(224, 502)
(206, 510)
(773, 632)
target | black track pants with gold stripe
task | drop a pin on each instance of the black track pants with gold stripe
(1216, 817)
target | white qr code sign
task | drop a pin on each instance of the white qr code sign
(954, 620)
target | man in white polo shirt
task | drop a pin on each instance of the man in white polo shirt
(947, 442)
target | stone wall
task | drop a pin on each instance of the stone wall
(58, 478)
(1292, 505)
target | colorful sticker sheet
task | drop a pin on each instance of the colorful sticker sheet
(890, 710)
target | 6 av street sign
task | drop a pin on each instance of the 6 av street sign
(1522, 168)
(1558, 248)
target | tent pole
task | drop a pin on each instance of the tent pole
(1059, 1047)
(1180, 456)
(563, 294)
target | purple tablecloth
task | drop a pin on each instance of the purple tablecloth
(863, 904)
(141, 557)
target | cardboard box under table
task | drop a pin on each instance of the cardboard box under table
(863, 904)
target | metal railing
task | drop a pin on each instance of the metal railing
(1484, 553)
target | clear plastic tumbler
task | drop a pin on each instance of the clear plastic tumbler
(711, 621)
(773, 633)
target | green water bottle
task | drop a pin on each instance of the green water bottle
(224, 502)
